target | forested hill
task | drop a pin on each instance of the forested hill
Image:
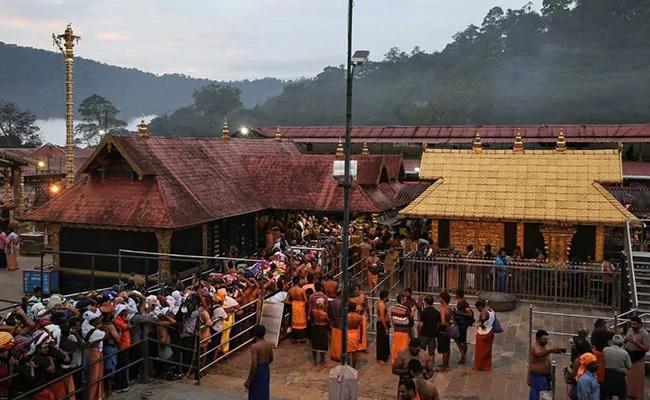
(33, 79)
(585, 61)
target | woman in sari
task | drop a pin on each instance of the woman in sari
(94, 337)
(484, 337)
(12, 246)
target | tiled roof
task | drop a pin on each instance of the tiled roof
(188, 181)
(538, 185)
(53, 156)
(636, 168)
(305, 182)
(195, 179)
(633, 133)
(635, 198)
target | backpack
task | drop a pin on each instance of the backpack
(496, 326)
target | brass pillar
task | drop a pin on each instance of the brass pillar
(6, 195)
(164, 238)
(18, 191)
(557, 239)
(600, 243)
(66, 43)
(434, 231)
(53, 241)
(520, 236)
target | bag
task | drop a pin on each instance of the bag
(569, 378)
(496, 326)
(452, 332)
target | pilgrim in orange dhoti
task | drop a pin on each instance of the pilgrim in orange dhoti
(298, 320)
(335, 352)
(400, 342)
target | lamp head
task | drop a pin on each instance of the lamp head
(360, 57)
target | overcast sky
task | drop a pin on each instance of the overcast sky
(238, 39)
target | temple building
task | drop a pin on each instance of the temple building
(200, 196)
(535, 199)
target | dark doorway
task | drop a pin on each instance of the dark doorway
(533, 240)
(510, 236)
(187, 241)
(583, 244)
(443, 233)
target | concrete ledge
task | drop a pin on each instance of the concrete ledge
(500, 301)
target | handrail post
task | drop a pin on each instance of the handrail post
(197, 372)
(553, 367)
(85, 378)
(145, 359)
(530, 327)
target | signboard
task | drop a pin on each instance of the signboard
(272, 314)
(338, 169)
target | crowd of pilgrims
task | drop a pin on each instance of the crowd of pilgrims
(58, 345)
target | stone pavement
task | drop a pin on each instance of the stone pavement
(11, 282)
(294, 377)
(157, 390)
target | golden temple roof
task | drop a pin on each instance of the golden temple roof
(535, 185)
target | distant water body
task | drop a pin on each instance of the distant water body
(53, 130)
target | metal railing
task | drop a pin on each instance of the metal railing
(573, 284)
(630, 265)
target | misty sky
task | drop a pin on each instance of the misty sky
(237, 39)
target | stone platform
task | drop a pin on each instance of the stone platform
(294, 377)
(500, 301)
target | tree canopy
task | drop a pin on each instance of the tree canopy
(99, 116)
(17, 127)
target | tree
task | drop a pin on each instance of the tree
(17, 127)
(99, 116)
(215, 101)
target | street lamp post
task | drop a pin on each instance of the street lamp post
(358, 58)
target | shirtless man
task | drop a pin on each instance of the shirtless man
(539, 364)
(259, 375)
(413, 352)
(330, 287)
(383, 328)
(425, 389)
(355, 333)
(297, 298)
(361, 302)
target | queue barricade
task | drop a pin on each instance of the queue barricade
(83, 370)
(559, 284)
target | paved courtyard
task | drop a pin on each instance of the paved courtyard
(294, 377)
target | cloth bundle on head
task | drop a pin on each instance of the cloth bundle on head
(585, 360)
(6, 341)
(38, 310)
(55, 300)
(91, 315)
(152, 302)
(20, 343)
(220, 295)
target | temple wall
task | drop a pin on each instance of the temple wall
(478, 233)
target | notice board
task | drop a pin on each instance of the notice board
(272, 314)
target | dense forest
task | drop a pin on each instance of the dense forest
(585, 61)
(33, 80)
